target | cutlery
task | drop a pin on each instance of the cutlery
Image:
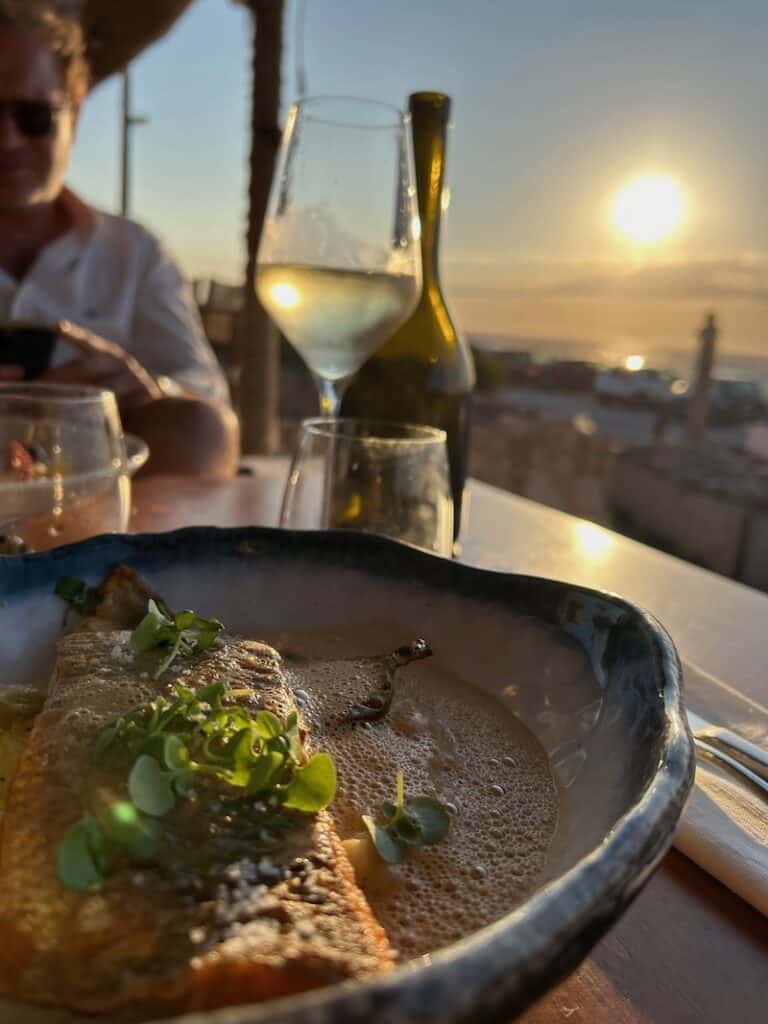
(747, 759)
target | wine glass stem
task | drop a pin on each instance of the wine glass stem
(331, 393)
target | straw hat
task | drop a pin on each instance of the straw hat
(118, 30)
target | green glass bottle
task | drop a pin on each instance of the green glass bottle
(424, 373)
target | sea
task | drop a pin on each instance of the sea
(681, 362)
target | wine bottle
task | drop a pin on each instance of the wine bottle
(424, 373)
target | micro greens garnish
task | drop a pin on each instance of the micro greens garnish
(78, 595)
(90, 847)
(185, 633)
(418, 821)
(192, 745)
(82, 862)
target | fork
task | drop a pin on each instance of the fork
(745, 758)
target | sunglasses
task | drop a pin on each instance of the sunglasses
(32, 118)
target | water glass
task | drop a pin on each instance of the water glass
(64, 474)
(378, 477)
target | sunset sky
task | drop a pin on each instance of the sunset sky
(557, 106)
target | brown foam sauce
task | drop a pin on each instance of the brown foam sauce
(450, 741)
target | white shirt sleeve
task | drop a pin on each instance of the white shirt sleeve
(167, 335)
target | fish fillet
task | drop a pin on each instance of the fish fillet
(150, 941)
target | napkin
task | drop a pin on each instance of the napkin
(724, 828)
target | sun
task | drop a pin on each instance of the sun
(649, 209)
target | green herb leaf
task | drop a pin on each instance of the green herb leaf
(268, 726)
(293, 735)
(150, 787)
(207, 634)
(211, 694)
(242, 757)
(152, 631)
(122, 818)
(175, 754)
(105, 739)
(313, 785)
(388, 810)
(183, 620)
(407, 830)
(167, 661)
(183, 783)
(77, 594)
(81, 857)
(387, 848)
(186, 633)
(433, 819)
(138, 834)
(154, 746)
(419, 821)
(265, 772)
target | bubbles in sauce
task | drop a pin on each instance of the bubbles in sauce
(450, 741)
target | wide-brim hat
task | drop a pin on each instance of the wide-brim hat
(116, 31)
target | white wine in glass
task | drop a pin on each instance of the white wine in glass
(339, 265)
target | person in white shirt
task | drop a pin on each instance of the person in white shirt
(124, 315)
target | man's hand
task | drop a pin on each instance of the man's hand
(106, 365)
(186, 434)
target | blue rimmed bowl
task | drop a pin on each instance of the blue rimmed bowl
(597, 680)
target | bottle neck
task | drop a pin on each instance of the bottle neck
(429, 118)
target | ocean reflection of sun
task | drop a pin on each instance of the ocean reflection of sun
(648, 209)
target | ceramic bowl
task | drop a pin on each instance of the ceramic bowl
(596, 679)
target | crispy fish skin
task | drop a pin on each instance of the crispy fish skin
(141, 942)
(123, 597)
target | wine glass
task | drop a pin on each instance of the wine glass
(339, 266)
(379, 477)
(64, 472)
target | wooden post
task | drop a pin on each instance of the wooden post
(115, 34)
(258, 342)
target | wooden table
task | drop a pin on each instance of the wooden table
(688, 950)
